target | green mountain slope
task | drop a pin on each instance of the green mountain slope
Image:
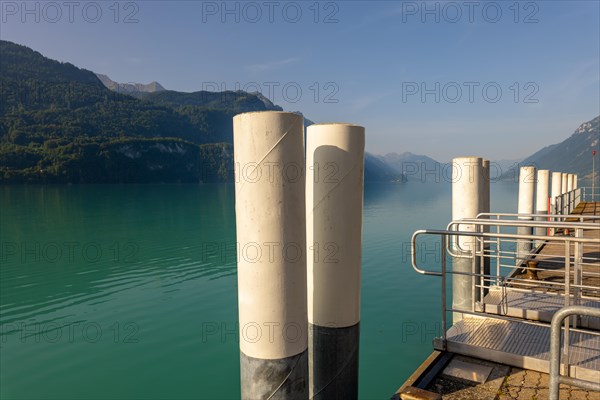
(59, 123)
(573, 155)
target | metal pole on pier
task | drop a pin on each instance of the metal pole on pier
(541, 199)
(527, 181)
(271, 238)
(467, 202)
(334, 202)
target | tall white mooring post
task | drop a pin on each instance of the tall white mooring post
(468, 200)
(334, 202)
(570, 181)
(541, 199)
(556, 190)
(271, 237)
(527, 180)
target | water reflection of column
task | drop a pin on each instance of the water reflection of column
(334, 202)
(271, 236)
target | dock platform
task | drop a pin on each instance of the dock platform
(502, 351)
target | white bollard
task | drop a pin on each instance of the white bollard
(556, 191)
(527, 180)
(334, 203)
(541, 200)
(576, 199)
(570, 197)
(556, 202)
(271, 236)
(467, 201)
(485, 208)
(570, 182)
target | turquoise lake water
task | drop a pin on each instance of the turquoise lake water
(130, 291)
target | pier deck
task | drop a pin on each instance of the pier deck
(517, 351)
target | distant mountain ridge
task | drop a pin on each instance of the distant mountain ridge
(63, 124)
(411, 166)
(572, 155)
(377, 170)
(130, 88)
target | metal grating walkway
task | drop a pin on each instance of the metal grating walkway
(533, 305)
(522, 345)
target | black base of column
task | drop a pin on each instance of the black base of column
(333, 362)
(282, 379)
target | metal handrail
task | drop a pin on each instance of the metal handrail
(514, 224)
(555, 328)
(485, 234)
(566, 202)
(526, 223)
(549, 215)
(444, 238)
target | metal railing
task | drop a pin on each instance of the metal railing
(566, 202)
(487, 278)
(503, 249)
(555, 332)
(539, 217)
(590, 193)
(496, 259)
(482, 281)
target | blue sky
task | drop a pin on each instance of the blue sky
(497, 79)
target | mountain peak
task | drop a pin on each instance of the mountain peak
(588, 127)
(573, 155)
(130, 88)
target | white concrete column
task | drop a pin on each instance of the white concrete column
(565, 180)
(541, 199)
(575, 184)
(570, 182)
(334, 203)
(467, 201)
(527, 180)
(556, 190)
(570, 197)
(271, 238)
(485, 207)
